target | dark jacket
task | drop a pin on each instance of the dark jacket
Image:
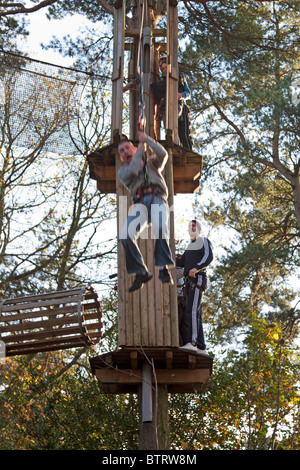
(197, 255)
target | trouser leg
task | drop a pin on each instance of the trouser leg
(160, 220)
(136, 221)
(184, 129)
(191, 326)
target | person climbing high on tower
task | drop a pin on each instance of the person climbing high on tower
(159, 92)
(141, 173)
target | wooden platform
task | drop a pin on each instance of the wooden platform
(187, 169)
(121, 371)
(50, 321)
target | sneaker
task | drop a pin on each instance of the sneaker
(165, 276)
(188, 347)
(140, 280)
(202, 352)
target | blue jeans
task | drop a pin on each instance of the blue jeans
(153, 210)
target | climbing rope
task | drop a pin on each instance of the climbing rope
(140, 71)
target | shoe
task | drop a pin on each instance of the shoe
(140, 280)
(165, 276)
(188, 347)
(202, 352)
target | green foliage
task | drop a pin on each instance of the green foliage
(52, 402)
(253, 399)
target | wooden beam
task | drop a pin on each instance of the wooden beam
(163, 376)
(186, 173)
(185, 187)
(172, 72)
(135, 32)
(134, 359)
(181, 173)
(118, 69)
(169, 359)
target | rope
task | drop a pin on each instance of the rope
(141, 118)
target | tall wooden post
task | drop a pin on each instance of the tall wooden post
(118, 70)
(153, 310)
(148, 318)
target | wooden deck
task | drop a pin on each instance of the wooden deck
(120, 371)
(187, 169)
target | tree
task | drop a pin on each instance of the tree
(16, 8)
(37, 201)
(248, 133)
(53, 403)
(249, 136)
(252, 402)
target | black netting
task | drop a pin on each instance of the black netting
(40, 105)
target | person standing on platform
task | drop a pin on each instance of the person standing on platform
(141, 173)
(159, 92)
(197, 256)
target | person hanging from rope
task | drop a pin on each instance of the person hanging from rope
(159, 93)
(197, 256)
(141, 173)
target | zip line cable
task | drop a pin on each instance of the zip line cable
(90, 74)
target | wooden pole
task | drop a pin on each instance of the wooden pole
(118, 69)
(155, 435)
(138, 324)
(147, 409)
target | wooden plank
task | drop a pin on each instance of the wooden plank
(192, 361)
(135, 32)
(121, 297)
(169, 359)
(118, 69)
(37, 314)
(32, 325)
(42, 334)
(134, 359)
(30, 350)
(47, 295)
(45, 342)
(136, 317)
(172, 73)
(166, 316)
(71, 339)
(51, 312)
(151, 290)
(186, 173)
(42, 303)
(123, 303)
(106, 187)
(182, 172)
(174, 310)
(105, 173)
(158, 310)
(186, 187)
(143, 312)
(180, 186)
(163, 376)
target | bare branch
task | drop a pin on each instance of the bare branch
(22, 9)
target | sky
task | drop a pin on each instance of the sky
(42, 30)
